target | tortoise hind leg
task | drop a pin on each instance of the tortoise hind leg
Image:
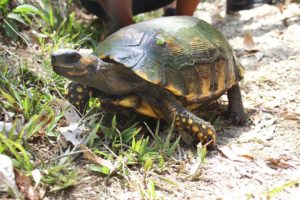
(235, 111)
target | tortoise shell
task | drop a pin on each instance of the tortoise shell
(185, 55)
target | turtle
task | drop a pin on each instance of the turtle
(162, 68)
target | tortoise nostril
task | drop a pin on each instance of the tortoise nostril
(52, 58)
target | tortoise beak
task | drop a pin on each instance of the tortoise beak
(53, 59)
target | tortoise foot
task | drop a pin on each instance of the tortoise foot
(188, 123)
(78, 95)
(236, 117)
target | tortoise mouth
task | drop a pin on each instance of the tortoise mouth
(68, 71)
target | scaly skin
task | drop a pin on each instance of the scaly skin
(78, 95)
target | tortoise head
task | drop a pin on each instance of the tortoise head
(75, 65)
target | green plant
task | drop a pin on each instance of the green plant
(59, 177)
(13, 18)
(273, 192)
(21, 157)
(20, 99)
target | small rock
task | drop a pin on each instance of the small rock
(7, 175)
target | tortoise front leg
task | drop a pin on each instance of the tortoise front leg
(79, 95)
(187, 122)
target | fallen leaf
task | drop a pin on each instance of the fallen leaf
(276, 163)
(71, 116)
(249, 43)
(289, 115)
(88, 154)
(8, 116)
(25, 186)
(236, 153)
(72, 133)
(36, 175)
(256, 117)
(217, 18)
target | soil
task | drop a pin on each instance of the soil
(251, 161)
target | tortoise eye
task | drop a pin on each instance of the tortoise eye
(73, 58)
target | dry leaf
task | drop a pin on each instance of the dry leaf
(276, 163)
(256, 117)
(37, 177)
(249, 43)
(290, 115)
(25, 186)
(236, 153)
(71, 116)
(217, 18)
(88, 154)
(72, 133)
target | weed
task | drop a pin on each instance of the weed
(276, 190)
(59, 177)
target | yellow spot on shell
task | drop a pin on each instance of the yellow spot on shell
(79, 89)
(190, 121)
(77, 103)
(176, 49)
(203, 126)
(210, 132)
(177, 118)
(192, 96)
(195, 128)
(195, 42)
(146, 77)
(183, 120)
(67, 92)
(80, 96)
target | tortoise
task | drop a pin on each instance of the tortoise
(162, 68)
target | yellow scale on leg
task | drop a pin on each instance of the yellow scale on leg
(201, 131)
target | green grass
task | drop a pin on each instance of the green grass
(276, 190)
